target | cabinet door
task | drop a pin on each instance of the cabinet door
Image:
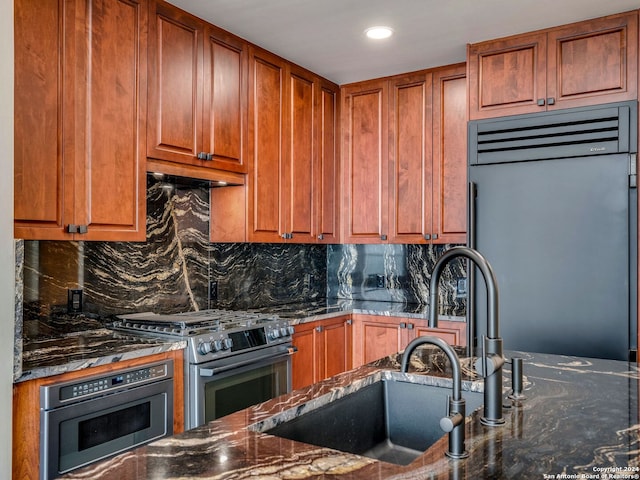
(593, 62)
(225, 100)
(298, 187)
(90, 171)
(452, 337)
(365, 157)
(375, 337)
(267, 77)
(449, 155)
(304, 363)
(410, 159)
(43, 118)
(110, 195)
(507, 76)
(174, 129)
(336, 347)
(327, 172)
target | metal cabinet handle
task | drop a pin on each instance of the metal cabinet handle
(319, 328)
(205, 156)
(427, 236)
(434, 236)
(541, 102)
(71, 228)
(321, 236)
(383, 237)
(551, 101)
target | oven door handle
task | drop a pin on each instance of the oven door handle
(210, 372)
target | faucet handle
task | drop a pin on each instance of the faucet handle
(448, 423)
(453, 424)
(489, 361)
(455, 414)
(489, 364)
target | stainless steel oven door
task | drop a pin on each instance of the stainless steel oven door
(81, 433)
(224, 386)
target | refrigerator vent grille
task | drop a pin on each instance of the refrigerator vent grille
(594, 131)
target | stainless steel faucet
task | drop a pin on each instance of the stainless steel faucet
(489, 365)
(454, 421)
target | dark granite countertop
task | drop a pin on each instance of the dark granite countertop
(579, 420)
(330, 307)
(75, 342)
(79, 350)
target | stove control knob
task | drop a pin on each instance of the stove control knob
(227, 343)
(217, 345)
(290, 329)
(274, 334)
(284, 332)
(204, 348)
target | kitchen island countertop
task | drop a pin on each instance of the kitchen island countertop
(579, 420)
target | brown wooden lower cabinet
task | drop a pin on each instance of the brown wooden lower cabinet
(324, 350)
(26, 408)
(377, 336)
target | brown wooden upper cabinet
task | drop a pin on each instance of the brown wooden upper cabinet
(365, 161)
(80, 101)
(585, 63)
(449, 196)
(293, 168)
(404, 158)
(197, 92)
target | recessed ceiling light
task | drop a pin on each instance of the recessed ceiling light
(379, 32)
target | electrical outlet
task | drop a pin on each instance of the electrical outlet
(74, 300)
(213, 291)
(461, 287)
(381, 281)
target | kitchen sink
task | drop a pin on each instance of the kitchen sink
(390, 420)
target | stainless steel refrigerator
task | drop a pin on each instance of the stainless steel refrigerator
(553, 208)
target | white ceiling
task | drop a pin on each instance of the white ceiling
(326, 36)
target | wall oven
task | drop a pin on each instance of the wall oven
(88, 419)
(221, 387)
(235, 359)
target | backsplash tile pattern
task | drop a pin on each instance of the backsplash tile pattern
(256, 274)
(392, 273)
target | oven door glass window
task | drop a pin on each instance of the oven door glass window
(245, 387)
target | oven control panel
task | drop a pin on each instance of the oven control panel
(82, 389)
(230, 342)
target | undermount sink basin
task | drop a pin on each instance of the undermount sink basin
(390, 420)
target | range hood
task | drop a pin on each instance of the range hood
(186, 183)
(189, 176)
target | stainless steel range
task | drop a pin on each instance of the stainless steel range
(235, 359)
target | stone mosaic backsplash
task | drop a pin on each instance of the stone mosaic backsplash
(177, 269)
(393, 273)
